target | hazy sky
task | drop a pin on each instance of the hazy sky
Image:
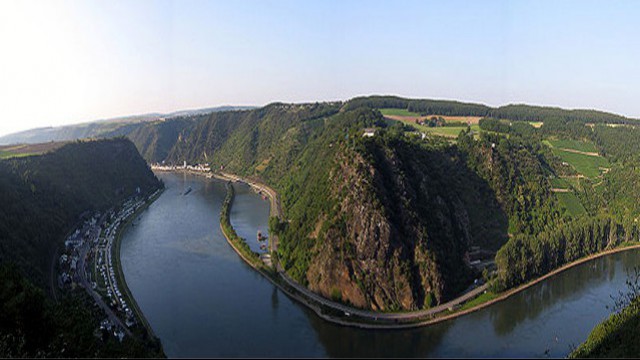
(70, 61)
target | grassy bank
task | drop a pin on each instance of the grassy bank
(616, 337)
(337, 316)
(230, 233)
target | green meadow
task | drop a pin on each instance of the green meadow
(571, 203)
(586, 165)
(398, 112)
(583, 146)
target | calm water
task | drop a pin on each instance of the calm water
(202, 300)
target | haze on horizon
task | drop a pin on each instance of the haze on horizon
(67, 62)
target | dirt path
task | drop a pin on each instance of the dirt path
(466, 119)
(579, 176)
(579, 152)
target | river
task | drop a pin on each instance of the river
(203, 301)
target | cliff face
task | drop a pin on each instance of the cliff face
(382, 222)
(361, 260)
(402, 226)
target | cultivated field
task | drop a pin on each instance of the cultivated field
(449, 131)
(571, 203)
(583, 146)
(446, 131)
(9, 151)
(559, 183)
(406, 115)
(587, 165)
(398, 112)
(409, 118)
(566, 196)
(582, 155)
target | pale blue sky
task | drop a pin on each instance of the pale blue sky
(66, 61)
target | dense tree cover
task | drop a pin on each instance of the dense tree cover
(242, 140)
(527, 256)
(542, 113)
(618, 143)
(552, 240)
(106, 128)
(437, 205)
(617, 195)
(44, 196)
(495, 125)
(518, 128)
(571, 129)
(33, 326)
(552, 127)
(155, 140)
(518, 112)
(305, 185)
(421, 106)
(298, 148)
(518, 173)
(617, 336)
(543, 239)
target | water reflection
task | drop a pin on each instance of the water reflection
(528, 305)
(249, 214)
(203, 301)
(274, 299)
(340, 341)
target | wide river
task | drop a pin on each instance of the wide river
(203, 301)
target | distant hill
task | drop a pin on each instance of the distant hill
(10, 151)
(384, 222)
(341, 195)
(120, 126)
(515, 112)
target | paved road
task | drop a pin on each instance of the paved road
(276, 210)
(85, 282)
(379, 315)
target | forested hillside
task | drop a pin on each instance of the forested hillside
(155, 140)
(405, 214)
(353, 203)
(519, 112)
(386, 221)
(104, 128)
(42, 198)
(431, 207)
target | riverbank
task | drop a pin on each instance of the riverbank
(118, 266)
(344, 315)
(324, 308)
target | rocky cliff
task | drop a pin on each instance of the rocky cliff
(381, 223)
(405, 217)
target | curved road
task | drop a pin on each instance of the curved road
(85, 283)
(276, 210)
